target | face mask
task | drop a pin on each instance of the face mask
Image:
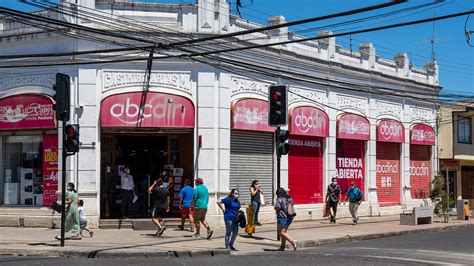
(236, 196)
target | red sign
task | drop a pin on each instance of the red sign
(309, 121)
(147, 109)
(351, 126)
(26, 111)
(388, 173)
(251, 114)
(422, 134)
(350, 165)
(420, 175)
(50, 169)
(390, 131)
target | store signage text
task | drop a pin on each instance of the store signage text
(305, 143)
(390, 131)
(419, 169)
(147, 110)
(350, 168)
(26, 111)
(423, 135)
(387, 171)
(351, 126)
(251, 114)
(309, 121)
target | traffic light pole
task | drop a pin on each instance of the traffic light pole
(63, 186)
(277, 136)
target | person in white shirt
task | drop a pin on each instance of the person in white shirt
(83, 219)
(128, 190)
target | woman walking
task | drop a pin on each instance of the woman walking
(284, 219)
(255, 192)
(230, 206)
(71, 224)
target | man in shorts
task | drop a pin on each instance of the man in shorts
(200, 202)
(185, 204)
(162, 205)
(333, 198)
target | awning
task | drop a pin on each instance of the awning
(352, 126)
(422, 134)
(389, 130)
(309, 121)
(26, 111)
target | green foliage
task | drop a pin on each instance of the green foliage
(439, 196)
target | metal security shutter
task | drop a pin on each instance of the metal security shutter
(11, 162)
(251, 157)
(354, 150)
(305, 169)
(388, 173)
(420, 171)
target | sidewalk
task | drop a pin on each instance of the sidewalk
(113, 243)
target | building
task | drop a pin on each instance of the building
(353, 114)
(457, 150)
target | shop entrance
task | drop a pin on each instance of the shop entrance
(149, 156)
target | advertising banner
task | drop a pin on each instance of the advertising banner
(352, 126)
(350, 163)
(422, 134)
(390, 131)
(251, 114)
(50, 169)
(388, 182)
(26, 111)
(420, 179)
(309, 121)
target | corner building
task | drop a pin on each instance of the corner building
(197, 120)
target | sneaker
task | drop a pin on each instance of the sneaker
(162, 230)
(233, 249)
(91, 234)
(209, 234)
(181, 228)
(196, 235)
(258, 224)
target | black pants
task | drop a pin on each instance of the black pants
(127, 197)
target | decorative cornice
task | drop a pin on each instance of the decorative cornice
(38, 80)
(244, 85)
(387, 108)
(119, 79)
(352, 102)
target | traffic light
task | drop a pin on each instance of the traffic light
(282, 146)
(71, 138)
(62, 96)
(278, 109)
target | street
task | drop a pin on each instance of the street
(444, 248)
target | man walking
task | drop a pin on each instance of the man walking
(185, 204)
(200, 202)
(128, 190)
(162, 205)
(333, 198)
(355, 197)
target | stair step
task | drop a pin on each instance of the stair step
(136, 224)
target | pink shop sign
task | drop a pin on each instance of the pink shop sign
(147, 109)
(26, 111)
(251, 114)
(390, 131)
(422, 134)
(309, 121)
(351, 126)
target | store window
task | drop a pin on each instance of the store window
(27, 169)
(465, 130)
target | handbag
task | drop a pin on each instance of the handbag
(262, 200)
(291, 208)
(326, 210)
(56, 207)
(242, 219)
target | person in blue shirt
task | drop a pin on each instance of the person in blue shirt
(230, 206)
(355, 198)
(185, 204)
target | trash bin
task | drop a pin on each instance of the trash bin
(460, 208)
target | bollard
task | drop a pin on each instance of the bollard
(250, 227)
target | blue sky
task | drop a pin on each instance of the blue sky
(454, 56)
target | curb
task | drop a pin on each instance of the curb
(349, 238)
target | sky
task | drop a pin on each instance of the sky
(455, 58)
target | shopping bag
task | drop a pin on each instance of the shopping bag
(262, 200)
(326, 210)
(135, 198)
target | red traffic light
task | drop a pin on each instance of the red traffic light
(70, 131)
(276, 95)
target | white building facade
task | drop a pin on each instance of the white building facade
(358, 122)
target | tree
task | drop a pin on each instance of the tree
(439, 197)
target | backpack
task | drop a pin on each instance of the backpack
(358, 194)
(291, 208)
(242, 221)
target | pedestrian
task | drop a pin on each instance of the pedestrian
(128, 190)
(83, 219)
(284, 220)
(185, 204)
(255, 195)
(355, 198)
(230, 206)
(333, 198)
(200, 202)
(71, 224)
(162, 205)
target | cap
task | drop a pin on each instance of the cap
(199, 180)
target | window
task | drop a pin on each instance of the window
(465, 130)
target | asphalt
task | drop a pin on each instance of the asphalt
(126, 243)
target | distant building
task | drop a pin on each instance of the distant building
(352, 114)
(457, 149)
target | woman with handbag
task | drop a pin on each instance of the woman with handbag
(71, 224)
(230, 206)
(256, 196)
(285, 212)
